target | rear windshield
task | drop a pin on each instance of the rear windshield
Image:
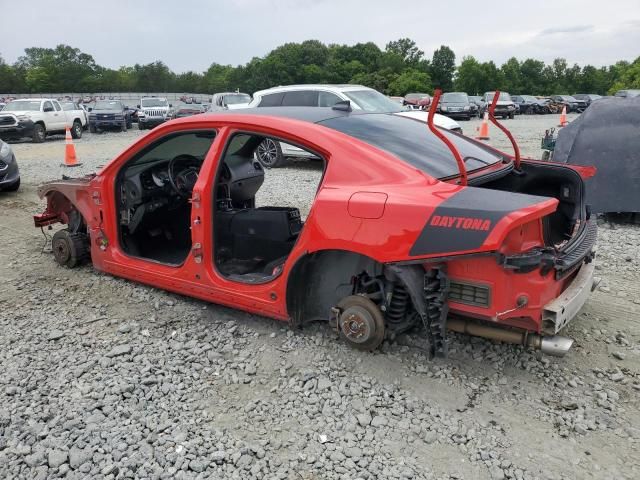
(412, 141)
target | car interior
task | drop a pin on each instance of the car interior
(251, 244)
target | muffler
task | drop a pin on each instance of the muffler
(555, 345)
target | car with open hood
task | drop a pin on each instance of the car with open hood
(410, 226)
(572, 104)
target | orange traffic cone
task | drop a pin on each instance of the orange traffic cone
(483, 131)
(70, 159)
(563, 117)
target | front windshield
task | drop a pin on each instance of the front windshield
(416, 96)
(529, 98)
(455, 97)
(107, 105)
(22, 106)
(568, 98)
(68, 106)
(504, 97)
(237, 98)
(411, 141)
(154, 102)
(373, 101)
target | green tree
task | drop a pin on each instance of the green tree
(532, 77)
(443, 66)
(512, 74)
(408, 51)
(470, 76)
(410, 81)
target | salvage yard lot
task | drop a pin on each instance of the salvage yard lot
(104, 378)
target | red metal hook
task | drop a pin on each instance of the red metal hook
(494, 120)
(447, 142)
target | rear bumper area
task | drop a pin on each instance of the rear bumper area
(559, 312)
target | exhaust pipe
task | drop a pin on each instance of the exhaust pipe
(555, 345)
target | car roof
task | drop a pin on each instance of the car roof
(306, 114)
(313, 86)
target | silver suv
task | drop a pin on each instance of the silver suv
(153, 111)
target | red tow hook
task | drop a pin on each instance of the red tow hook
(494, 120)
(447, 142)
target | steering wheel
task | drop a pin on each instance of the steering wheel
(187, 176)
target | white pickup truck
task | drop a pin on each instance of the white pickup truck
(36, 118)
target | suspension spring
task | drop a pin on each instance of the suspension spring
(397, 308)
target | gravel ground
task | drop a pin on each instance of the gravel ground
(106, 379)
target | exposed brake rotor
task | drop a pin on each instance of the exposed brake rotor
(360, 322)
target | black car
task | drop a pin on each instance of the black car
(529, 104)
(9, 173)
(587, 97)
(109, 114)
(456, 105)
(572, 104)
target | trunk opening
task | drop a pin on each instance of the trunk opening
(548, 180)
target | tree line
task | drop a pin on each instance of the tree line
(398, 69)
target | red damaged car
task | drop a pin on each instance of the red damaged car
(409, 227)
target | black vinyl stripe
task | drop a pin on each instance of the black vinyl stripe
(465, 220)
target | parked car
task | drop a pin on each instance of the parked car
(572, 104)
(36, 118)
(229, 101)
(273, 154)
(2, 104)
(627, 93)
(476, 102)
(68, 106)
(399, 100)
(456, 105)
(528, 104)
(394, 239)
(187, 110)
(417, 101)
(587, 97)
(9, 172)
(109, 114)
(132, 113)
(505, 107)
(152, 111)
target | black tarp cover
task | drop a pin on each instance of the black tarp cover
(607, 136)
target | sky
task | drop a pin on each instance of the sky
(192, 34)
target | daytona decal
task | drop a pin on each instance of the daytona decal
(463, 222)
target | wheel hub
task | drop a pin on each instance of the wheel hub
(61, 251)
(357, 324)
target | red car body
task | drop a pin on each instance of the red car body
(484, 242)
